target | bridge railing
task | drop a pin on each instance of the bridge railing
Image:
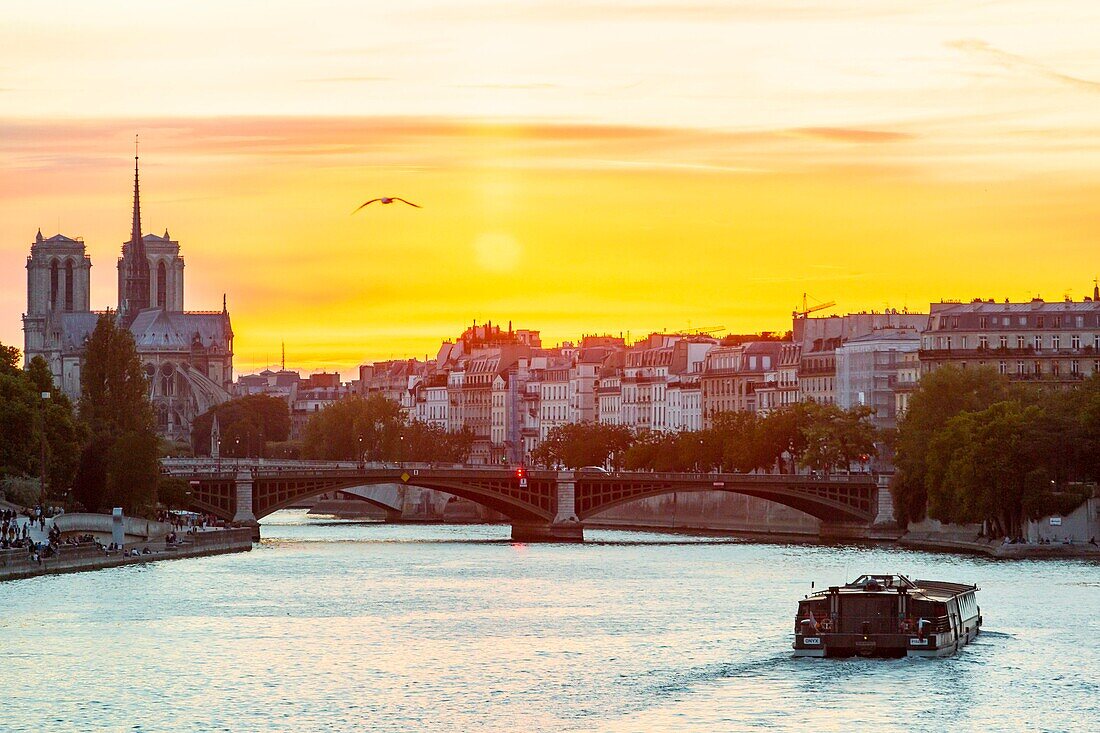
(229, 466)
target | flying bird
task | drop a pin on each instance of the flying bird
(390, 200)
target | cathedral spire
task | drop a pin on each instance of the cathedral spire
(134, 296)
(135, 232)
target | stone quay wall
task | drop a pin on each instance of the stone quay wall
(15, 564)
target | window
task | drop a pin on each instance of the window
(1004, 342)
(949, 343)
(162, 285)
(1079, 321)
(1055, 342)
(983, 342)
(53, 283)
(943, 321)
(983, 322)
(1056, 321)
(68, 285)
(1055, 369)
(1019, 342)
(1039, 322)
(1075, 341)
(1020, 368)
(1075, 367)
(954, 321)
(1038, 367)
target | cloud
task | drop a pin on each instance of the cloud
(1015, 62)
(852, 135)
(347, 79)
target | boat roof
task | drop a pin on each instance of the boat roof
(892, 584)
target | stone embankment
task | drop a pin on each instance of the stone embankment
(18, 563)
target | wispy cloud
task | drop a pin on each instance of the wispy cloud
(1016, 62)
(347, 79)
(852, 135)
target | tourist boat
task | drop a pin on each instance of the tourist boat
(887, 616)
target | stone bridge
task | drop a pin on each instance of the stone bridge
(543, 505)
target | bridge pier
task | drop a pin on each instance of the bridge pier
(244, 517)
(547, 532)
(564, 527)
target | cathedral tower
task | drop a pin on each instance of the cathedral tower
(58, 281)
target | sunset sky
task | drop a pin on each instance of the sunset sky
(583, 167)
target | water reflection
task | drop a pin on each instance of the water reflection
(339, 626)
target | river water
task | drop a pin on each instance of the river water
(342, 626)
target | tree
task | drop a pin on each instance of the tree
(172, 493)
(114, 394)
(355, 428)
(119, 464)
(246, 425)
(991, 466)
(575, 445)
(36, 429)
(942, 394)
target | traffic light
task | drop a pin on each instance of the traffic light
(521, 473)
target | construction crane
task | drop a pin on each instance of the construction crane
(808, 309)
(704, 331)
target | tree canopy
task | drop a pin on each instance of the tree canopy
(36, 428)
(373, 429)
(119, 464)
(974, 448)
(822, 437)
(246, 425)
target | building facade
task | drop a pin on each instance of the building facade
(1056, 343)
(187, 356)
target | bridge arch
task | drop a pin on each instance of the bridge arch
(271, 495)
(825, 502)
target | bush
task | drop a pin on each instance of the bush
(26, 492)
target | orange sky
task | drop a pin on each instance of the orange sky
(583, 168)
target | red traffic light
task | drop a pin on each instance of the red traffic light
(521, 472)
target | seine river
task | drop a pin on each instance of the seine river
(344, 626)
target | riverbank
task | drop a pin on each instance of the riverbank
(16, 564)
(953, 542)
(942, 541)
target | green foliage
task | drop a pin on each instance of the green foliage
(583, 444)
(246, 424)
(289, 450)
(119, 463)
(114, 395)
(36, 429)
(133, 469)
(943, 394)
(836, 438)
(25, 492)
(172, 493)
(1026, 454)
(372, 429)
(174, 449)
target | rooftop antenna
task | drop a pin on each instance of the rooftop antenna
(284, 356)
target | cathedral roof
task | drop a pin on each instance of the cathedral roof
(156, 328)
(75, 329)
(60, 238)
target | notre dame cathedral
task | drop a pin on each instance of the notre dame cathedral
(188, 355)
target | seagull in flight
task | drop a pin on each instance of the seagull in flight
(390, 200)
